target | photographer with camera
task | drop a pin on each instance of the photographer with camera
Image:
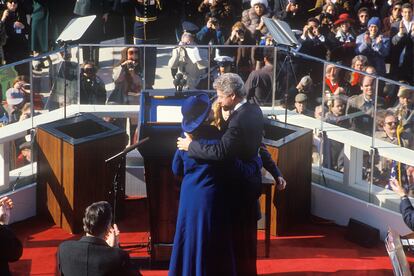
(128, 85)
(211, 33)
(192, 70)
(92, 88)
(127, 78)
(242, 56)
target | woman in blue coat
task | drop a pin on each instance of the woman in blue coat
(202, 242)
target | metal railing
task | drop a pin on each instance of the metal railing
(353, 168)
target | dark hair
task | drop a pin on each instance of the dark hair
(22, 78)
(313, 19)
(363, 9)
(406, 6)
(124, 54)
(268, 53)
(97, 218)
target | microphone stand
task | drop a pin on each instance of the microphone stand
(120, 158)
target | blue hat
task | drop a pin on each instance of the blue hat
(374, 21)
(195, 110)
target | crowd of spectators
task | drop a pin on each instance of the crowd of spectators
(369, 36)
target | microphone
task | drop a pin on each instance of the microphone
(179, 82)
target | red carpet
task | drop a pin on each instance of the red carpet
(312, 249)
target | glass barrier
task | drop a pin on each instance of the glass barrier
(339, 98)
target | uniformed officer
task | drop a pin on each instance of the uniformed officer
(145, 32)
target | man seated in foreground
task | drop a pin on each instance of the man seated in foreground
(97, 253)
(11, 248)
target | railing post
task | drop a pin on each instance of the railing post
(353, 158)
(4, 164)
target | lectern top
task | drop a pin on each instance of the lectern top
(81, 128)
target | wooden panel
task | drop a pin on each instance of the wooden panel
(49, 175)
(163, 197)
(72, 177)
(292, 205)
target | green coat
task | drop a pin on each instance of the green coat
(49, 18)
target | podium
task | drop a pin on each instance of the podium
(291, 148)
(160, 119)
(71, 167)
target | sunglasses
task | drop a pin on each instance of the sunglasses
(391, 123)
(133, 52)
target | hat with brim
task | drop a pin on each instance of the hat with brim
(25, 145)
(14, 96)
(223, 60)
(195, 110)
(344, 18)
(405, 92)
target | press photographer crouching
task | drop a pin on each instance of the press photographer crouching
(92, 88)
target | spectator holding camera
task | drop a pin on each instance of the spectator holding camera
(192, 71)
(92, 88)
(223, 10)
(17, 45)
(252, 18)
(15, 99)
(211, 33)
(242, 56)
(127, 78)
(11, 248)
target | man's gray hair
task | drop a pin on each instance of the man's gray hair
(230, 83)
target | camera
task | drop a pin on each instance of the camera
(240, 31)
(89, 71)
(26, 86)
(130, 66)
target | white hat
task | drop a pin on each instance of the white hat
(222, 60)
(263, 2)
(14, 96)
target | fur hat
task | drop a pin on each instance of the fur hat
(263, 2)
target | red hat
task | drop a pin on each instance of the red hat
(344, 17)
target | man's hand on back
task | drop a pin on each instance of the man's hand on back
(184, 143)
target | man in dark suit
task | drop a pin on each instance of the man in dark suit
(11, 248)
(97, 253)
(402, 46)
(406, 208)
(241, 140)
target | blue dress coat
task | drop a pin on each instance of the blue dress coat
(202, 242)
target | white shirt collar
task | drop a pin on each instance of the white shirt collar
(240, 104)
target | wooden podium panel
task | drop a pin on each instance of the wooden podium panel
(163, 206)
(291, 149)
(72, 174)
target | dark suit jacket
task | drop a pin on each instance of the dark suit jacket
(10, 249)
(91, 256)
(90, 7)
(403, 71)
(241, 140)
(407, 211)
